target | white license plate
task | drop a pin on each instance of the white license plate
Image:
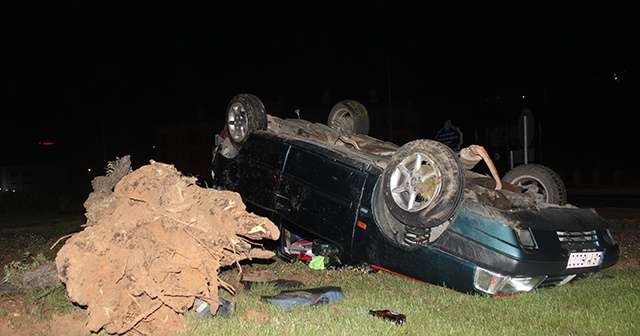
(585, 259)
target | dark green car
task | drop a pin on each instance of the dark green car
(413, 210)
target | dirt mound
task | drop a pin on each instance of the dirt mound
(152, 246)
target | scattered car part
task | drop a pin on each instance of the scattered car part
(288, 299)
(224, 310)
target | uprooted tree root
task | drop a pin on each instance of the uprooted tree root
(152, 246)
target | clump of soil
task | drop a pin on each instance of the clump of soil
(152, 246)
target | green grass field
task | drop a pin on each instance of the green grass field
(604, 304)
(599, 305)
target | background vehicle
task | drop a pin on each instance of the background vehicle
(412, 210)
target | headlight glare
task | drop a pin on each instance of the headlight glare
(497, 284)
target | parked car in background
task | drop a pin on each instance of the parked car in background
(416, 210)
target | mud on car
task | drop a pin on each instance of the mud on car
(417, 210)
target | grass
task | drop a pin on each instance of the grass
(28, 234)
(593, 306)
(596, 306)
(625, 226)
(49, 300)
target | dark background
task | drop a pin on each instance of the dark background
(96, 78)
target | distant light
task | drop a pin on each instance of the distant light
(88, 169)
(47, 143)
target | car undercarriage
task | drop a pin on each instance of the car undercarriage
(418, 210)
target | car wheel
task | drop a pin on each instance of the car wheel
(245, 114)
(349, 116)
(549, 183)
(423, 183)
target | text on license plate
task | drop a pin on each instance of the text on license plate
(585, 259)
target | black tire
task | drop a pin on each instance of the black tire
(549, 183)
(349, 117)
(245, 114)
(423, 183)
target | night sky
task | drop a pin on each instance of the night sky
(73, 73)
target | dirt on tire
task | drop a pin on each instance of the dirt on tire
(152, 245)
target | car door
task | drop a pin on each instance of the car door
(255, 172)
(321, 195)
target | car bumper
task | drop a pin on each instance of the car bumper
(472, 244)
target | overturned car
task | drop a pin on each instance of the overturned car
(417, 210)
